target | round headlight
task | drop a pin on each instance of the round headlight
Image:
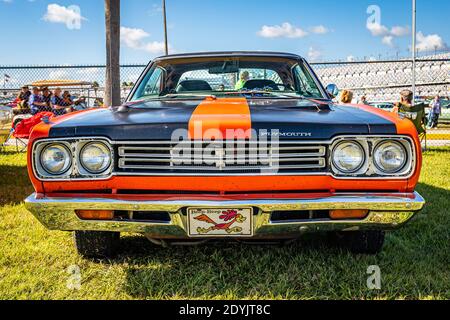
(95, 157)
(56, 159)
(348, 156)
(389, 156)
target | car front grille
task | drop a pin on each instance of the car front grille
(220, 158)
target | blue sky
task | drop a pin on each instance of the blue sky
(54, 32)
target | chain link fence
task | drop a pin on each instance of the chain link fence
(379, 81)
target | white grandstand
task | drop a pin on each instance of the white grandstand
(382, 80)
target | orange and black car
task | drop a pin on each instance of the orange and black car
(228, 145)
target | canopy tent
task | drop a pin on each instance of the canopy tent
(60, 83)
(84, 87)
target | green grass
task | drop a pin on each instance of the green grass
(414, 263)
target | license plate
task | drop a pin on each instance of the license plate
(220, 222)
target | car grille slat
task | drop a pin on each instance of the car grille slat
(226, 157)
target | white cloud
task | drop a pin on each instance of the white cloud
(388, 40)
(350, 58)
(70, 16)
(430, 42)
(398, 31)
(134, 38)
(377, 29)
(7, 1)
(319, 29)
(387, 36)
(89, 71)
(286, 30)
(156, 9)
(314, 54)
(155, 47)
(58, 75)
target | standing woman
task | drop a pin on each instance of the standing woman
(435, 112)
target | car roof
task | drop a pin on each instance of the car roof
(232, 54)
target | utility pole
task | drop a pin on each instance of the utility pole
(413, 49)
(112, 26)
(166, 45)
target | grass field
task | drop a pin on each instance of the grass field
(34, 262)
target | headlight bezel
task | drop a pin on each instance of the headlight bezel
(338, 169)
(76, 171)
(378, 166)
(69, 159)
(82, 167)
(369, 170)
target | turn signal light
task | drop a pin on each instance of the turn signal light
(95, 214)
(348, 214)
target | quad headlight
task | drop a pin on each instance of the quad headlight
(348, 156)
(56, 159)
(95, 157)
(389, 156)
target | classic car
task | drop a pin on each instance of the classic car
(265, 155)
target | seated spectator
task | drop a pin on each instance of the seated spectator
(346, 96)
(245, 76)
(47, 96)
(36, 102)
(23, 97)
(406, 109)
(59, 106)
(67, 97)
(80, 104)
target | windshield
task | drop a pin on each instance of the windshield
(277, 77)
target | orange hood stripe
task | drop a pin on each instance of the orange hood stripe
(221, 118)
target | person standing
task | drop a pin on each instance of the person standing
(364, 101)
(435, 112)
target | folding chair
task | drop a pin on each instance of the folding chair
(18, 138)
(19, 142)
(417, 115)
(20, 130)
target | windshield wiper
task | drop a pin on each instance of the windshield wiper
(196, 95)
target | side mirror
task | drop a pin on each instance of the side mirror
(332, 90)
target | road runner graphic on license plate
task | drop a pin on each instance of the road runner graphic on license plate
(220, 222)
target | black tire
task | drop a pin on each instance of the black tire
(96, 244)
(362, 242)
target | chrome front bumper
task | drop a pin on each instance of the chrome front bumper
(386, 211)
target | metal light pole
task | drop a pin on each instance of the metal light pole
(413, 49)
(166, 46)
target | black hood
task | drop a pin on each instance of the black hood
(156, 120)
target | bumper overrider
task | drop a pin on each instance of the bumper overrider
(385, 211)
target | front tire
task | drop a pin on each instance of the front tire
(362, 242)
(96, 244)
